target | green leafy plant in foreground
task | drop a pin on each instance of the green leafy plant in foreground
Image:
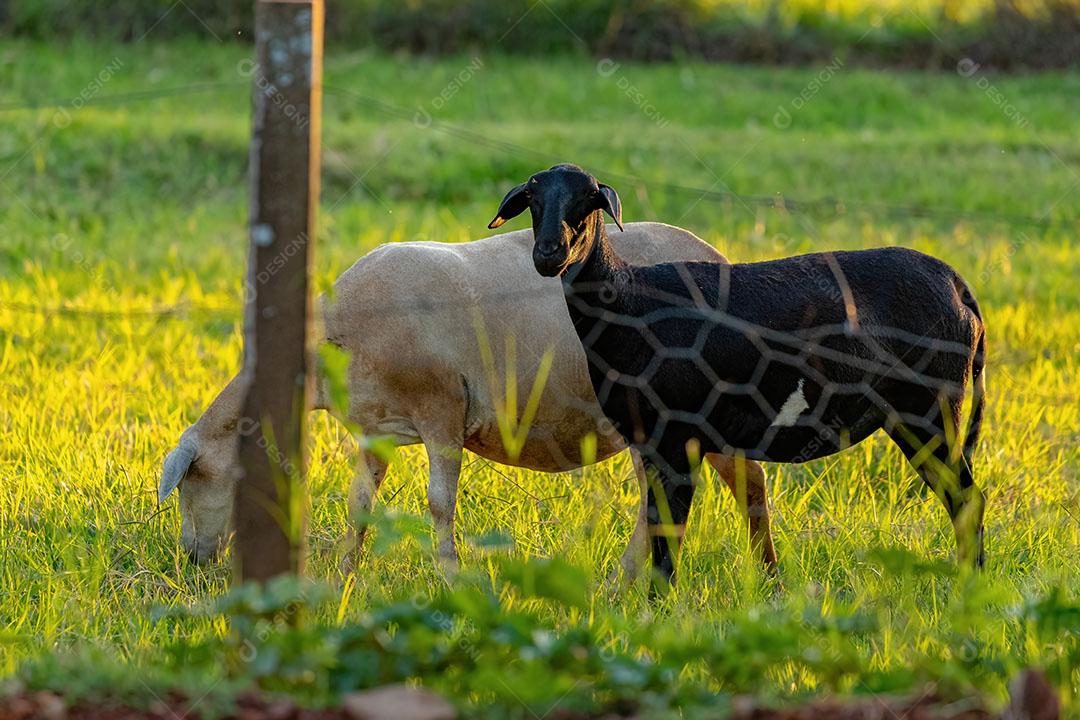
(490, 643)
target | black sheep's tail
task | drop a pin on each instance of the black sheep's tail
(978, 383)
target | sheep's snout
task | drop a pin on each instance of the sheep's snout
(200, 550)
(200, 557)
(550, 260)
(206, 508)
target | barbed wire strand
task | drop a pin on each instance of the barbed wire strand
(776, 202)
(68, 104)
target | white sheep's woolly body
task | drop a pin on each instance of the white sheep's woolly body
(445, 290)
(792, 407)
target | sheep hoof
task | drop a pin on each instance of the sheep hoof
(347, 564)
(349, 554)
(616, 580)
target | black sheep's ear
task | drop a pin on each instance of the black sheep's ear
(611, 204)
(512, 205)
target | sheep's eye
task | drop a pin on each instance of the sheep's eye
(230, 426)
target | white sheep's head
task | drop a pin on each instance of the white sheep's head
(204, 468)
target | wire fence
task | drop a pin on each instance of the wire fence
(157, 313)
(694, 373)
(823, 206)
(127, 97)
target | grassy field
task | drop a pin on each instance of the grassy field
(118, 208)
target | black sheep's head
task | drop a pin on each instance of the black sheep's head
(566, 203)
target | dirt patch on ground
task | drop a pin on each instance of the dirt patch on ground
(47, 706)
(927, 708)
(1032, 699)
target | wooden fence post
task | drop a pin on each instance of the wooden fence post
(287, 93)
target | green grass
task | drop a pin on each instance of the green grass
(139, 205)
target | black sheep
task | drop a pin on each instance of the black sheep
(784, 361)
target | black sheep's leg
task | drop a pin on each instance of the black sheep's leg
(950, 478)
(670, 497)
(968, 521)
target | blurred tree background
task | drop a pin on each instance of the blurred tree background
(1002, 34)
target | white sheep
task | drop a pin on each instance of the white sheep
(428, 326)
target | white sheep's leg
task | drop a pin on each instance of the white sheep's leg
(445, 463)
(444, 460)
(440, 422)
(637, 550)
(370, 472)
